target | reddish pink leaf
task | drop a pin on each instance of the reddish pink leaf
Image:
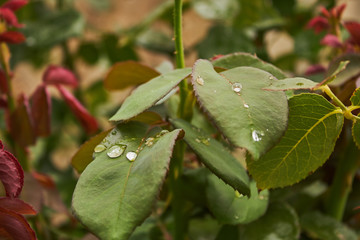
(43, 179)
(325, 12)
(88, 122)
(14, 225)
(9, 17)
(3, 102)
(21, 123)
(318, 24)
(3, 82)
(332, 41)
(17, 205)
(14, 4)
(338, 11)
(315, 69)
(41, 111)
(58, 75)
(11, 173)
(12, 37)
(354, 30)
(216, 57)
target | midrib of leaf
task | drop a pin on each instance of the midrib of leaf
(338, 110)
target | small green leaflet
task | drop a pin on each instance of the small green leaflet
(291, 84)
(355, 100)
(147, 94)
(115, 194)
(247, 115)
(314, 125)
(335, 73)
(215, 157)
(352, 69)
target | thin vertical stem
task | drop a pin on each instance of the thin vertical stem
(10, 98)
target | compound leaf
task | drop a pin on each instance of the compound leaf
(314, 126)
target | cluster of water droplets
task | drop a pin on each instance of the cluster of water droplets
(203, 140)
(257, 135)
(236, 87)
(200, 80)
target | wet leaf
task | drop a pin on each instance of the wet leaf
(236, 101)
(128, 73)
(129, 187)
(15, 226)
(292, 83)
(248, 60)
(11, 173)
(16, 205)
(41, 111)
(84, 156)
(303, 148)
(55, 75)
(22, 127)
(231, 207)
(149, 93)
(279, 222)
(322, 227)
(352, 69)
(215, 157)
(87, 121)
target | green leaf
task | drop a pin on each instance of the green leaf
(279, 222)
(215, 157)
(252, 118)
(245, 59)
(352, 69)
(228, 232)
(83, 156)
(231, 207)
(216, 10)
(115, 195)
(322, 227)
(149, 93)
(148, 117)
(335, 73)
(314, 125)
(355, 100)
(128, 73)
(292, 83)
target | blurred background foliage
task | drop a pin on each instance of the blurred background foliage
(89, 36)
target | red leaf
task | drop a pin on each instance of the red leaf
(3, 102)
(216, 57)
(88, 122)
(43, 179)
(14, 4)
(41, 111)
(21, 123)
(11, 173)
(9, 17)
(318, 24)
(325, 12)
(58, 75)
(12, 37)
(17, 205)
(3, 83)
(331, 40)
(15, 225)
(338, 10)
(315, 69)
(354, 30)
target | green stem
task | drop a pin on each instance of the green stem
(333, 97)
(342, 183)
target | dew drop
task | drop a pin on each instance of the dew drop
(238, 195)
(205, 141)
(236, 217)
(246, 106)
(256, 135)
(116, 151)
(271, 78)
(236, 87)
(200, 81)
(131, 156)
(114, 132)
(149, 141)
(197, 140)
(214, 91)
(99, 148)
(163, 132)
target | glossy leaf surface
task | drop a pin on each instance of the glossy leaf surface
(248, 116)
(128, 73)
(215, 157)
(319, 226)
(129, 187)
(279, 222)
(245, 59)
(84, 156)
(231, 207)
(314, 126)
(149, 93)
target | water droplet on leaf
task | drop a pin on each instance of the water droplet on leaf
(246, 106)
(200, 81)
(131, 156)
(256, 135)
(149, 141)
(116, 151)
(99, 148)
(236, 87)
